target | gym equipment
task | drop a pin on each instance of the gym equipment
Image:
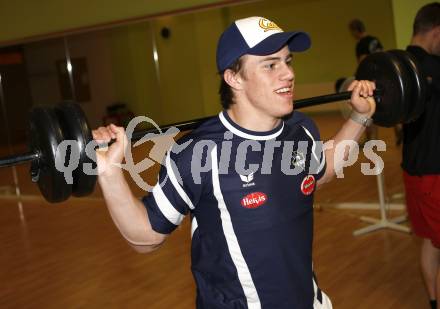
(400, 95)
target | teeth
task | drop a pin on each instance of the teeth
(283, 90)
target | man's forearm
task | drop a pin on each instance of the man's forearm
(350, 131)
(128, 212)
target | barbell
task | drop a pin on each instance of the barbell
(400, 96)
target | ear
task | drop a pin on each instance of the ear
(233, 79)
(433, 36)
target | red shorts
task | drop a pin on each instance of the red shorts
(423, 205)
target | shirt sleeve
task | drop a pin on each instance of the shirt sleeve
(368, 45)
(317, 164)
(175, 193)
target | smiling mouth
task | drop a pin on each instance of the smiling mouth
(286, 91)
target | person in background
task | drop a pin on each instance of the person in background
(365, 45)
(421, 151)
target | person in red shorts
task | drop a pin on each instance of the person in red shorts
(421, 150)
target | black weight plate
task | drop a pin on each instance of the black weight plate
(408, 81)
(75, 127)
(45, 136)
(418, 85)
(386, 71)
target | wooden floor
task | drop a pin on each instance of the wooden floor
(70, 255)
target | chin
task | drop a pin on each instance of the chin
(287, 110)
(283, 113)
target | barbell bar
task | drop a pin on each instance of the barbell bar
(400, 99)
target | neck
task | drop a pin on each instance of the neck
(362, 35)
(254, 120)
(422, 41)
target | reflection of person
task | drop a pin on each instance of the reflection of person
(252, 218)
(421, 150)
(366, 45)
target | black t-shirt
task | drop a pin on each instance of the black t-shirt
(368, 45)
(421, 138)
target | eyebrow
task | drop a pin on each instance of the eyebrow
(275, 58)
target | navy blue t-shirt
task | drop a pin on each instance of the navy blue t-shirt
(250, 197)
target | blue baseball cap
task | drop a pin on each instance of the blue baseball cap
(256, 36)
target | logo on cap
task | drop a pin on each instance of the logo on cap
(268, 25)
(308, 185)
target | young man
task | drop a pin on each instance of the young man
(247, 178)
(421, 150)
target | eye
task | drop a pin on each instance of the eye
(270, 66)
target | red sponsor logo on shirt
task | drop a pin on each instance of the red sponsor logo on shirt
(254, 200)
(308, 185)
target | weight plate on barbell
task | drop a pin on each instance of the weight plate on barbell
(386, 71)
(407, 85)
(45, 136)
(75, 127)
(418, 85)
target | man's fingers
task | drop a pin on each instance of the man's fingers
(364, 88)
(105, 134)
(368, 92)
(99, 136)
(356, 90)
(352, 85)
(117, 133)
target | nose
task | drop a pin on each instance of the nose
(287, 73)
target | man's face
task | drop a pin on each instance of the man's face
(267, 83)
(355, 34)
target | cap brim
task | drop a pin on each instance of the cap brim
(296, 41)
